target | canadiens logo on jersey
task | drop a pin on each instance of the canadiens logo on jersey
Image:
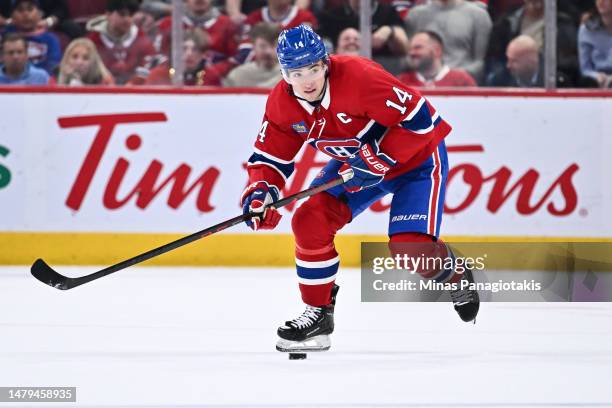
(300, 127)
(340, 149)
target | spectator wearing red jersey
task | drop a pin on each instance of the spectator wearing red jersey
(283, 13)
(44, 49)
(82, 65)
(125, 50)
(201, 14)
(426, 51)
(198, 69)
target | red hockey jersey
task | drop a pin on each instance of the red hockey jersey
(446, 77)
(362, 103)
(224, 34)
(294, 18)
(130, 57)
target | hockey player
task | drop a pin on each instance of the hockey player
(352, 110)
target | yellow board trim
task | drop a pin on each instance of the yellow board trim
(62, 248)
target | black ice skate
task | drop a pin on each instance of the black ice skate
(311, 330)
(466, 301)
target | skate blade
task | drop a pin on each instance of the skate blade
(314, 344)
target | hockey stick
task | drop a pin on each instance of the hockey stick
(44, 273)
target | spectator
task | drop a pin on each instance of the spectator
(388, 36)
(283, 13)
(125, 50)
(44, 49)
(529, 20)
(595, 45)
(349, 42)
(146, 19)
(464, 27)
(524, 67)
(238, 10)
(82, 65)
(426, 55)
(263, 71)
(279, 12)
(56, 16)
(198, 70)
(16, 69)
(201, 14)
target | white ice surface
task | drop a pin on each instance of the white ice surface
(153, 337)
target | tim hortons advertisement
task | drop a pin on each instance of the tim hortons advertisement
(176, 163)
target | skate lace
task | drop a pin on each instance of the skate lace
(307, 318)
(461, 296)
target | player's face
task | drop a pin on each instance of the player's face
(119, 22)
(15, 56)
(308, 82)
(80, 59)
(26, 16)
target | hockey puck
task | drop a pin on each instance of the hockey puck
(297, 356)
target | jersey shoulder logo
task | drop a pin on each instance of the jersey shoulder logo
(300, 127)
(340, 149)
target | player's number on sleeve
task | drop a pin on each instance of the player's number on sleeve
(262, 131)
(403, 96)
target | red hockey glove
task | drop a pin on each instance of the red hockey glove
(256, 198)
(369, 165)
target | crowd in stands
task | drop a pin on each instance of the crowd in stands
(232, 43)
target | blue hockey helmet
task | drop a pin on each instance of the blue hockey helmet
(298, 47)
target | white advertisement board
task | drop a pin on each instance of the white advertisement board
(151, 163)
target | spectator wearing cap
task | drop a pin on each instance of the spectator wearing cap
(349, 42)
(198, 68)
(125, 50)
(429, 70)
(524, 66)
(263, 71)
(464, 27)
(595, 45)
(82, 65)
(16, 69)
(44, 49)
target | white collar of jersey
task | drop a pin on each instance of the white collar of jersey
(213, 14)
(267, 17)
(445, 70)
(125, 42)
(324, 102)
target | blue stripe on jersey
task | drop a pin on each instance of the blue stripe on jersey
(420, 121)
(285, 169)
(317, 273)
(374, 133)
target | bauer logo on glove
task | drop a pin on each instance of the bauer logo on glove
(370, 166)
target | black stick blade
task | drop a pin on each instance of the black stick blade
(44, 273)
